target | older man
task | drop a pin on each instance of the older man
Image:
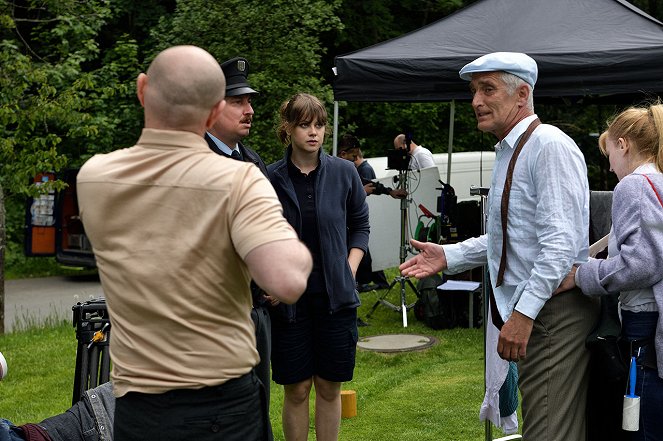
(538, 217)
(178, 233)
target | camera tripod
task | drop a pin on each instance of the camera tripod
(399, 280)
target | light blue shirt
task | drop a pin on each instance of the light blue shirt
(222, 145)
(548, 220)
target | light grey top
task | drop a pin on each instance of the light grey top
(634, 267)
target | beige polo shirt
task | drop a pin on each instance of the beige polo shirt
(170, 222)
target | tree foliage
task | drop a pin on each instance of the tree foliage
(280, 39)
(62, 98)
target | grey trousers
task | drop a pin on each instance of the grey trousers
(263, 324)
(554, 377)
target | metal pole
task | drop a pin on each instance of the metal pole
(485, 280)
(400, 280)
(450, 149)
(335, 131)
(404, 245)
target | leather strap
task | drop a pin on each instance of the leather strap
(497, 318)
(494, 313)
(505, 195)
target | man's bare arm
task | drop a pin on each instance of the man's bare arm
(281, 268)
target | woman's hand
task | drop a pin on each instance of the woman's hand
(568, 282)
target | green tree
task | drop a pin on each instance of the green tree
(376, 124)
(281, 40)
(61, 98)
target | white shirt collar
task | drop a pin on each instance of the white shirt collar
(511, 138)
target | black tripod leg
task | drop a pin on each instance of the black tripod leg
(93, 376)
(84, 373)
(375, 306)
(414, 289)
(78, 374)
(381, 298)
(104, 371)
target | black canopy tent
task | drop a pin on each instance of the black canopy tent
(582, 47)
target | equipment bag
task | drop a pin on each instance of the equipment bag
(436, 311)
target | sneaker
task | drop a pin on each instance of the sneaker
(3, 366)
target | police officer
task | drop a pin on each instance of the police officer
(225, 138)
(235, 121)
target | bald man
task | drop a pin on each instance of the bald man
(178, 232)
(420, 156)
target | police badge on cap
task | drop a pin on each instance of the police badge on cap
(236, 71)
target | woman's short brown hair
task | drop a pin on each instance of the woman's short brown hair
(300, 108)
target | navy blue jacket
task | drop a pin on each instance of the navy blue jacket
(342, 215)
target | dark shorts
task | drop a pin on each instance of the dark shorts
(318, 343)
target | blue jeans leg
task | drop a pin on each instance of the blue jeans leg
(648, 385)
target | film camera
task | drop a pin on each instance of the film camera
(399, 159)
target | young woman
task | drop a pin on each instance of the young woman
(633, 144)
(314, 341)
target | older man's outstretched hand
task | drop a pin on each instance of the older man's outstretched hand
(430, 260)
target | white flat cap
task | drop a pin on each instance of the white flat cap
(521, 65)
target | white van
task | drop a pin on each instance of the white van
(467, 169)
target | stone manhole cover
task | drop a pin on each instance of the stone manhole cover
(396, 342)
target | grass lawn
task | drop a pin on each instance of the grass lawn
(433, 394)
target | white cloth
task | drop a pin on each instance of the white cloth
(548, 221)
(496, 371)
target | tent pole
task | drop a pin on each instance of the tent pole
(452, 115)
(335, 132)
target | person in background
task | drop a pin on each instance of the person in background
(537, 228)
(420, 156)
(632, 144)
(314, 341)
(349, 148)
(178, 233)
(225, 138)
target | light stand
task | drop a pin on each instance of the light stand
(405, 243)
